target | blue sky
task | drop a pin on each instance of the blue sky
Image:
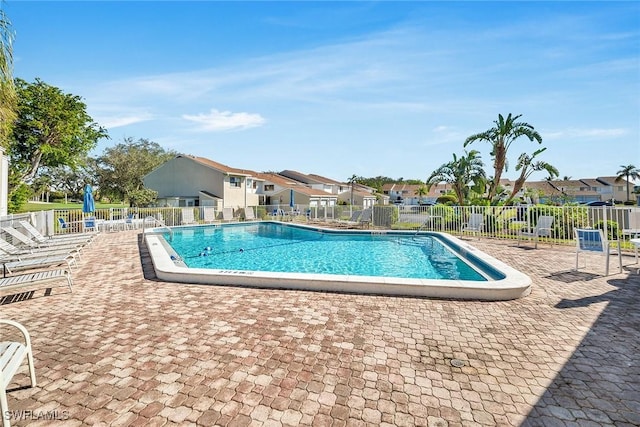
(343, 88)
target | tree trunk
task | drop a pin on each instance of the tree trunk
(35, 164)
(498, 165)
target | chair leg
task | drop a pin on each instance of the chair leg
(32, 370)
(4, 407)
(619, 258)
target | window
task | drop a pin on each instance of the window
(235, 181)
(268, 187)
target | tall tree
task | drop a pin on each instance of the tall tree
(52, 129)
(527, 166)
(501, 136)
(421, 192)
(71, 180)
(460, 173)
(628, 172)
(122, 167)
(7, 87)
(353, 180)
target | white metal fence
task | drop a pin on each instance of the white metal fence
(498, 222)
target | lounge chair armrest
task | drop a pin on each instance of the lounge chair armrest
(22, 329)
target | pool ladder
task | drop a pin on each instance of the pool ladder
(422, 226)
(157, 221)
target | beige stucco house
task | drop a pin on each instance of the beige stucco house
(342, 190)
(276, 192)
(196, 181)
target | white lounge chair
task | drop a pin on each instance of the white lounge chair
(19, 253)
(187, 216)
(12, 355)
(9, 265)
(209, 214)
(32, 243)
(227, 215)
(541, 229)
(594, 241)
(67, 238)
(248, 214)
(474, 225)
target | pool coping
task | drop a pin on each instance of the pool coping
(514, 284)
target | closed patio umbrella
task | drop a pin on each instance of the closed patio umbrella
(88, 206)
(292, 200)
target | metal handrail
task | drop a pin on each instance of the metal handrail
(157, 221)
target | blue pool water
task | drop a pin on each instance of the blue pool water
(281, 248)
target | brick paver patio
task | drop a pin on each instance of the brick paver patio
(125, 349)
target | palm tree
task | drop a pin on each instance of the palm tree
(527, 166)
(8, 98)
(352, 181)
(500, 137)
(628, 172)
(460, 173)
(421, 191)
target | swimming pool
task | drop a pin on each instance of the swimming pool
(272, 254)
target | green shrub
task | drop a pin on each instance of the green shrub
(612, 229)
(447, 199)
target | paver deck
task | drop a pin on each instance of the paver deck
(125, 349)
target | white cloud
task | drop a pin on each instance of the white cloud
(120, 121)
(225, 120)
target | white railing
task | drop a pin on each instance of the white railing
(500, 222)
(505, 222)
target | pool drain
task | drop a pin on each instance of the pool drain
(457, 363)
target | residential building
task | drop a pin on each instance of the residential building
(619, 188)
(346, 192)
(196, 181)
(408, 193)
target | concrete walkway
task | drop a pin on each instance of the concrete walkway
(124, 349)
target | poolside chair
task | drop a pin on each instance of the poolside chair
(277, 213)
(12, 355)
(187, 216)
(248, 214)
(20, 253)
(39, 237)
(542, 229)
(90, 224)
(634, 224)
(209, 214)
(474, 225)
(227, 215)
(352, 222)
(132, 222)
(366, 218)
(594, 241)
(31, 243)
(9, 266)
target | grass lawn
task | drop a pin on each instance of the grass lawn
(33, 207)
